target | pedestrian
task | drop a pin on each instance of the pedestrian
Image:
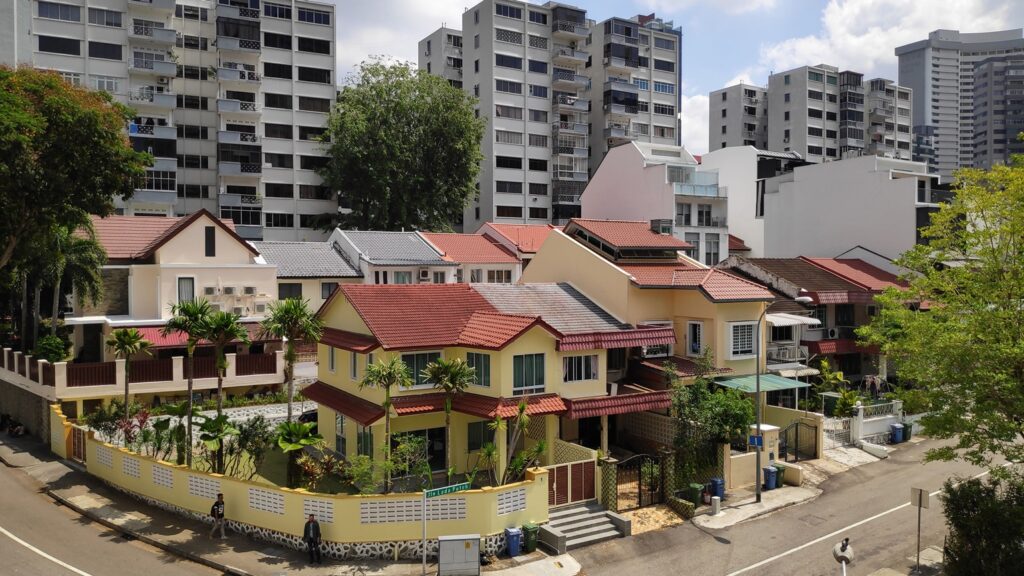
(311, 536)
(217, 512)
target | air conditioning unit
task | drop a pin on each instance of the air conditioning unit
(238, 310)
(250, 290)
(229, 291)
(209, 290)
(833, 333)
(162, 80)
(424, 274)
(214, 307)
(785, 140)
(261, 308)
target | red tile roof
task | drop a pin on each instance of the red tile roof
(527, 237)
(176, 339)
(716, 284)
(618, 404)
(418, 403)
(625, 339)
(351, 341)
(859, 272)
(628, 234)
(842, 346)
(495, 330)
(469, 248)
(684, 367)
(736, 244)
(362, 411)
(138, 237)
(489, 407)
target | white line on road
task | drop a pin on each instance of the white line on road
(43, 554)
(833, 534)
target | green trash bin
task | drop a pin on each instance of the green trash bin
(530, 532)
(908, 427)
(780, 473)
(693, 493)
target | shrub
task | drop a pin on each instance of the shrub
(986, 526)
(51, 348)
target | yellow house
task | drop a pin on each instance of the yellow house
(546, 344)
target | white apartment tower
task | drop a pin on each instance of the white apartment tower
(738, 116)
(441, 54)
(230, 97)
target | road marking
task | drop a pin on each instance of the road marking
(43, 554)
(833, 534)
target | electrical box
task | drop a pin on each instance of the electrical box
(459, 555)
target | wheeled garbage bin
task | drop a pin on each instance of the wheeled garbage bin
(513, 540)
(530, 532)
(770, 476)
(896, 430)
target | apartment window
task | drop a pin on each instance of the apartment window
(192, 132)
(193, 72)
(477, 433)
(508, 187)
(314, 192)
(538, 17)
(832, 98)
(539, 213)
(277, 160)
(271, 100)
(281, 11)
(508, 162)
(712, 253)
(741, 340)
(193, 161)
(278, 190)
(73, 78)
(510, 112)
(664, 65)
(538, 189)
(830, 116)
(785, 97)
(186, 289)
(418, 362)
(286, 290)
(831, 80)
(664, 43)
(312, 162)
(830, 134)
(271, 40)
(314, 16)
(55, 11)
(664, 132)
(644, 84)
(160, 180)
(193, 102)
(194, 191)
(539, 140)
(538, 42)
(815, 76)
(314, 45)
(665, 88)
(109, 84)
(664, 109)
(508, 212)
(313, 133)
(275, 220)
(814, 94)
(508, 36)
(310, 104)
(243, 215)
(508, 11)
(816, 150)
(499, 276)
(272, 70)
(191, 13)
(538, 91)
(481, 363)
(538, 66)
(191, 42)
(277, 131)
(104, 17)
(579, 368)
(505, 61)
(476, 37)
(538, 165)
(813, 131)
(508, 86)
(813, 113)
(527, 374)
(105, 51)
(785, 79)
(506, 137)
(539, 116)
(317, 75)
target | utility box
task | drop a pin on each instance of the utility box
(459, 555)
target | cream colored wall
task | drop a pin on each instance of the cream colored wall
(144, 285)
(311, 288)
(263, 278)
(189, 247)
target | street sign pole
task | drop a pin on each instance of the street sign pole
(423, 511)
(919, 497)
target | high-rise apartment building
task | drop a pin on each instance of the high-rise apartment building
(441, 54)
(738, 117)
(940, 71)
(230, 97)
(998, 110)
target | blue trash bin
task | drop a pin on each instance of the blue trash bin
(896, 430)
(514, 540)
(718, 487)
(769, 477)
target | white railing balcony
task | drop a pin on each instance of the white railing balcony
(617, 131)
(575, 103)
(152, 99)
(620, 39)
(229, 106)
(787, 352)
(568, 79)
(239, 168)
(570, 127)
(617, 64)
(226, 199)
(712, 222)
(569, 29)
(568, 173)
(621, 109)
(230, 74)
(231, 137)
(237, 12)
(232, 44)
(153, 67)
(563, 54)
(152, 35)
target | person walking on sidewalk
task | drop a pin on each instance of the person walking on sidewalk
(311, 535)
(217, 512)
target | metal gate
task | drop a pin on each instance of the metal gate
(78, 444)
(641, 481)
(838, 432)
(572, 482)
(798, 441)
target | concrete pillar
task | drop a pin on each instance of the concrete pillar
(502, 449)
(178, 368)
(604, 434)
(60, 380)
(609, 483)
(897, 409)
(119, 373)
(857, 423)
(230, 373)
(279, 363)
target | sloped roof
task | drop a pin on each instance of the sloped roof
(736, 244)
(716, 284)
(306, 260)
(395, 248)
(528, 238)
(628, 234)
(139, 237)
(804, 274)
(469, 248)
(859, 272)
(560, 305)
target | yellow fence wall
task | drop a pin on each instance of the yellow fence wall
(60, 432)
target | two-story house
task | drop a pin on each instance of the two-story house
(479, 258)
(523, 240)
(393, 257)
(307, 270)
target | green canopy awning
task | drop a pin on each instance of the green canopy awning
(769, 383)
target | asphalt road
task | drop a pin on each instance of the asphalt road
(40, 538)
(860, 504)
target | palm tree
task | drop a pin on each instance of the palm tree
(126, 343)
(292, 438)
(387, 374)
(292, 321)
(450, 377)
(223, 328)
(80, 260)
(190, 318)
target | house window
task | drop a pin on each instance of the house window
(659, 349)
(579, 368)
(353, 365)
(186, 289)
(476, 276)
(741, 340)
(326, 288)
(782, 333)
(286, 290)
(330, 359)
(694, 338)
(711, 250)
(821, 314)
(416, 363)
(211, 242)
(364, 440)
(844, 314)
(477, 435)
(527, 374)
(438, 277)
(482, 364)
(339, 434)
(499, 276)
(400, 277)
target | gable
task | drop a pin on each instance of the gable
(188, 245)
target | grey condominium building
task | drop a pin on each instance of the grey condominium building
(998, 110)
(230, 97)
(542, 74)
(940, 70)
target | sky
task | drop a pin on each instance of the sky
(724, 41)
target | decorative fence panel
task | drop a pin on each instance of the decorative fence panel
(206, 367)
(49, 379)
(92, 374)
(33, 370)
(838, 432)
(249, 364)
(151, 370)
(572, 482)
(876, 410)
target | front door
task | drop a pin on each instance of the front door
(590, 432)
(434, 446)
(92, 343)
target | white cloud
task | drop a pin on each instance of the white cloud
(693, 115)
(728, 6)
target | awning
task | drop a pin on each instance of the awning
(418, 403)
(842, 297)
(179, 340)
(344, 403)
(784, 319)
(684, 367)
(477, 405)
(625, 402)
(840, 346)
(351, 341)
(769, 383)
(792, 370)
(622, 339)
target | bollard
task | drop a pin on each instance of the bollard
(716, 505)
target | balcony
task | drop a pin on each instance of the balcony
(569, 30)
(577, 151)
(164, 165)
(253, 169)
(620, 39)
(708, 222)
(165, 197)
(620, 65)
(565, 103)
(237, 107)
(786, 352)
(151, 100)
(616, 133)
(232, 75)
(567, 80)
(152, 6)
(569, 173)
(569, 128)
(239, 45)
(165, 132)
(568, 56)
(237, 12)
(231, 137)
(153, 36)
(698, 190)
(143, 66)
(621, 85)
(621, 111)
(225, 199)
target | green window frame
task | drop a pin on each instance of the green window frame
(527, 374)
(482, 364)
(416, 363)
(364, 440)
(477, 434)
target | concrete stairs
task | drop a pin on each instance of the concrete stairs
(582, 525)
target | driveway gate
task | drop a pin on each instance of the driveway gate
(838, 432)
(571, 482)
(640, 481)
(798, 441)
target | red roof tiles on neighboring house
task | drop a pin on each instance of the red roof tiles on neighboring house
(624, 339)
(528, 238)
(408, 405)
(176, 339)
(629, 234)
(842, 346)
(495, 330)
(469, 248)
(684, 367)
(716, 284)
(138, 237)
(362, 411)
(736, 244)
(618, 404)
(359, 343)
(859, 272)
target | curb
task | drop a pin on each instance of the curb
(226, 569)
(764, 513)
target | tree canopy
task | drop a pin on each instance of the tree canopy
(64, 154)
(965, 349)
(403, 149)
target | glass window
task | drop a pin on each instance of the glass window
(694, 338)
(741, 341)
(330, 358)
(271, 40)
(272, 10)
(272, 70)
(505, 61)
(478, 433)
(314, 45)
(499, 276)
(277, 131)
(314, 16)
(400, 277)
(310, 104)
(353, 365)
(417, 363)
(538, 66)
(664, 43)
(664, 65)
(538, 17)
(286, 290)
(482, 364)
(339, 434)
(317, 75)
(579, 368)
(508, 86)
(508, 11)
(55, 11)
(275, 220)
(364, 440)
(527, 374)
(105, 51)
(186, 289)
(326, 288)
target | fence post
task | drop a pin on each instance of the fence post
(178, 369)
(231, 371)
(857, 424)
(609, 483)
(897, 409)
(119, 373)
(668, 473)
(60, 378)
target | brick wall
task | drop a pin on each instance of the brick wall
(27, 408)
(115, 295)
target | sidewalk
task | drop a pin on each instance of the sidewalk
(742, 506)
(931, 565)
(236, 555)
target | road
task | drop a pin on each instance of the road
(861, 503)
(40, 538)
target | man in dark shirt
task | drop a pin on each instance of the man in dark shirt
(217, 512)
(311, 536)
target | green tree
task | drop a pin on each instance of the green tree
(403, 149)
(966, 350)
(189, 318)
(77, 258)
(387, 375)
(986, 526)
(64, 154)
(223, 328)
(292, 438)
(292, 321)
(214, 433)
(451, 378)
(126, 343)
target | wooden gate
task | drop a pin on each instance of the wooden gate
(78, 444)
(572, 482)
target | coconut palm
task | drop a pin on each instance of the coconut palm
(292, 321)
(126, 343)
(451, 378)
(189, 318)
(385, 375)
(79, 259)
(223, 328)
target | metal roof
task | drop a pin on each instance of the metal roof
(395, 248)
(769, 383)
(306, 260)
(560, 305)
